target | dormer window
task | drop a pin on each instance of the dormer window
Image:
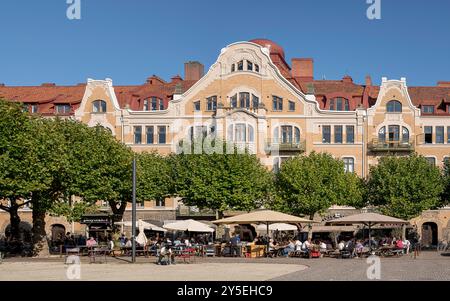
(428, 109)
(30, 108)
(339, 104)
(62, 109)
(249, 65)
(99, 106)
(153, 104)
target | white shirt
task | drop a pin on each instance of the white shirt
(341, 246)
(305, 245)
(298, 245)
(187, 243)
(323, 245)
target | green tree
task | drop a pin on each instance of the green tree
(310, 184)
(154, 180)
(405, 186)
(224, 180)
(446, 194)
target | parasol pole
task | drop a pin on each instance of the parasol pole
(268, 239)
(133, 215)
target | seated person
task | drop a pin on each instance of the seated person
(399, 244)
(166, 252)
(341, 245)
(91, 242)
(177, 242)
(359, 248)
(322, 246)
(289, 248)
(298, 245)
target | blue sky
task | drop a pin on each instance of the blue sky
(129, 40)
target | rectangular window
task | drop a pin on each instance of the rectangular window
(146, 105)
(255, 101)
(349, 164)
(350, 130)
(34, 108)
(137, 134)
(326, 134)
(62, 109)
(233, 101)
(160, 203)
(440, 134)
(162, 134)
(428, 109)
(428, 134)
(286, 134)
(211, 103)
(338, 134)
(240, 65)
(150, 133)
(448, 134)
(277, 103)
(244, 100)
(161, 104)
(339, 104)
(154, 104)
(197, 106)
(431, 160)
(291, 106)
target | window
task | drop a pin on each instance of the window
(394, 106)
(249, 66)
(286, 134)
(146, 105)
(233, 68)
(256, 68)
(161, 104)
(394, 133)
(349, 164)
(428, 134)
(326, 134)
(62, 109)
(30, 108)
(197, 106)
(150, 133)
(160, 203)
(211, 103)
(339, 104)
(137, 134)
(241, 132)
(428, 109)
(446, 161)
(405, 135)
(289, 134)
(233, 101)
(382, 134)
(198, 132)
(244, 100)
(431, 160)
(99, 106)
(440, 134)
(240, 65)
(448, 134)
(255, 101)
(291, 106)
(350, 131)
(162, 134)
(338, 134)
(154, 103)
(448, 108)
(277, 103)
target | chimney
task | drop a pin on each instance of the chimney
(368, 81)
(193, 70)
(303, 69)
(347, 79)
(444, 84)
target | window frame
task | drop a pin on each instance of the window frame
(392, 106)
(150, 133)
(349, 164)
(137, 134)
(425, 128)
(347, 136)
(440, 139)
(162, 133)
(326, 135)
(197, 106)
(338, 134)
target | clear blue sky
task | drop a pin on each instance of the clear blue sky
(129, 40)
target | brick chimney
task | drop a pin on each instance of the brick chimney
(193, 70)
(303, 69)
(368, 81)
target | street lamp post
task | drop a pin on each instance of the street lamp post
(133, 215)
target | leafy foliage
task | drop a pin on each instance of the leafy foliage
(405, 186)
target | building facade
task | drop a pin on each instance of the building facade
(252, 97)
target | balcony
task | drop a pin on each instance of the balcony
(391, 146)
(286, 147)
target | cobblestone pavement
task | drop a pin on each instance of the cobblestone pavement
(428, 266)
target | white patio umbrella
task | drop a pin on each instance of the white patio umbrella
(277, 227)
(188, 225)
(141, 238)
(146, 225)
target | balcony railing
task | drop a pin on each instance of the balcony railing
(391, 146)
(280, 146)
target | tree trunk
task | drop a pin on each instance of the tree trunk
(311, 217)
(118, 211)
(40, 243)
(14, 221)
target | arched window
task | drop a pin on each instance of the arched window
(405, 135)
(99, 106)
(394, 106)
(382, 134)
(332, 105)
(289, 134)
